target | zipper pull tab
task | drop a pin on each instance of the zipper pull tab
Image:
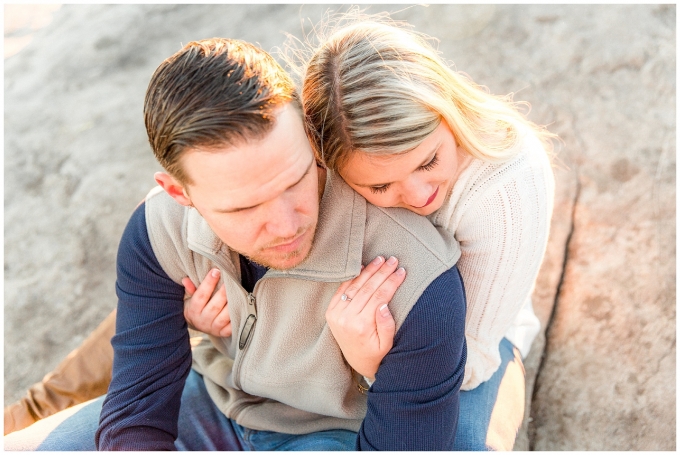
(249, 326)
(252, 309)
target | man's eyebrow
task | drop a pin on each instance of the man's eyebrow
(238, 209)
(427, 160)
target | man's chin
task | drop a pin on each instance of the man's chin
(283, 261)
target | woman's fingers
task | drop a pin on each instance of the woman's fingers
(201, 295)
(386, 327)
(222, 322)
(226, 330)
(336, 302)
(373, 285)
(189, 286)
(385, 291)
(350, 287)
(366, 273)
(214, 309)
(207, 286)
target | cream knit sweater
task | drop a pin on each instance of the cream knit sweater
(500, 213)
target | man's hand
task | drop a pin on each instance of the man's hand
(361, 323)
(207, 314)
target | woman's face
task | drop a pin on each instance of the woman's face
(418, 180)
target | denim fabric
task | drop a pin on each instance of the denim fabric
(492, 413)
(204, 427)
(201, 427)
(490, 416)
(71, 429)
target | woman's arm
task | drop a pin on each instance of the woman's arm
(414, 402)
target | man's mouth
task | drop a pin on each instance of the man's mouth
(288, 246)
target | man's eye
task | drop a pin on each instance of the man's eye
(379, 189)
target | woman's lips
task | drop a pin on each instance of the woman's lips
(432, 198)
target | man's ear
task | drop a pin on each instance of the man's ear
(173, 188)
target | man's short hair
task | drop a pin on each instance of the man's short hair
(212, 93)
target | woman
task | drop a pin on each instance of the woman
(404, 130)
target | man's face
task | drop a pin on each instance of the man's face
(261, 197)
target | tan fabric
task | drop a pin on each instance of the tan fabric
(291, 377)
(83, 375)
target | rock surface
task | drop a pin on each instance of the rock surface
(77, 162)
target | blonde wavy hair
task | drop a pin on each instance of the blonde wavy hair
(376, 87)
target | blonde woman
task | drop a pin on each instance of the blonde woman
(404, 130)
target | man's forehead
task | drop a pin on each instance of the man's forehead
(255, 171)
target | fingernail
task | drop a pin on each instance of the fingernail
(215, 272)
(392, 260)
(362, 267)
(400, 271)
(378, 260)
(384, 311)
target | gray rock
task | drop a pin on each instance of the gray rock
(77, 162)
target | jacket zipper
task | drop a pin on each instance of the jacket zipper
(246, 331)
(244, 337)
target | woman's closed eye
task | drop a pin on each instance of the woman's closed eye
(429, 166)
(379, 189)
(425, 167)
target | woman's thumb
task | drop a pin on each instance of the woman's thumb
(386, 328)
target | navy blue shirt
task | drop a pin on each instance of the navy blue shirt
(413, 404)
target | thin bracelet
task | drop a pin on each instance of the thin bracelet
(361, 388)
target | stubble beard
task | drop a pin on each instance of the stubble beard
(283, 261)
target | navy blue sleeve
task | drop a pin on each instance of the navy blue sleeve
(413, 403)
(152, 354)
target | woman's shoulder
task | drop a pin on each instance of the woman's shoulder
(481, 178)
(531, 158)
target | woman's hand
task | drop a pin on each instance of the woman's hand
(208, 314)
(362, 324)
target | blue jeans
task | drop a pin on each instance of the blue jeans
(201, 427)
(491, 414)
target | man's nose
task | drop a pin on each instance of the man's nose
(283, 220)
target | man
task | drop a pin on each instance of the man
(244, 197)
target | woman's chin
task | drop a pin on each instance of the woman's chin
(425, 211)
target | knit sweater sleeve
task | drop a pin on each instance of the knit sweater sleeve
(413, 403)
(152, 355)
(503, 236)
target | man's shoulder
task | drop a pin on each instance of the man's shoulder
(411, 234)
(162, 211)
(425, 251)
(166, 227)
